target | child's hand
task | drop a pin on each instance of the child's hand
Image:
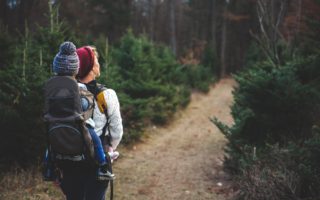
(113, 155)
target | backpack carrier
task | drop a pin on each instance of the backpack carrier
(68, 137)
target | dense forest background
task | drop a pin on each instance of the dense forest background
(155, 52)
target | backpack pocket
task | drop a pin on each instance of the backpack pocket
(66, 139)
(61, 106)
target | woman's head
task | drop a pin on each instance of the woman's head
(66, 62)
(89, 64)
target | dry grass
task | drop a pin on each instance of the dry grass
(27, 185)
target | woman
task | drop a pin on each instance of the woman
(79, 180)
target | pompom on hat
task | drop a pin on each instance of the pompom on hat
(86, 57)
(66, 62)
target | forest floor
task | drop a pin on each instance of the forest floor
(180, 161)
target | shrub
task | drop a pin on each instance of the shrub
(194, 76)
(22, 77)
(307, 166)
(210, 59)
(271, 147)
(142, 74)
(271, 106)
(269, 177)
(290, 172)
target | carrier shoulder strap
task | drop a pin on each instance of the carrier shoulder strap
(98, 91)
(102, 104)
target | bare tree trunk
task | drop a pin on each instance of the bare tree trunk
(223, 67)
(173, 40)
(213, 23)
(223, 49)
(213, 35)
(3, 8)
(293, 41)
(270, 16)
(299, 16)
(151, 9)
(156, 18)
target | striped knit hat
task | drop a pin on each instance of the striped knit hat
(66, 62)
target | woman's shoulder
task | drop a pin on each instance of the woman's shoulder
(111, 99)
(109, 91)
(110, 95)
(105, 90)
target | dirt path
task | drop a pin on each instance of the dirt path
(183, 160)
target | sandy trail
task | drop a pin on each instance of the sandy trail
(182, 160)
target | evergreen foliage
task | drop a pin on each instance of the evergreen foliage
(194, 76)
(145, 78)
(25, 68)
(272, 149)
(210, 59)
(306, 157)
(290, 172)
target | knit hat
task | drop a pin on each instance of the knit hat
(66, 61)
(86, 57)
